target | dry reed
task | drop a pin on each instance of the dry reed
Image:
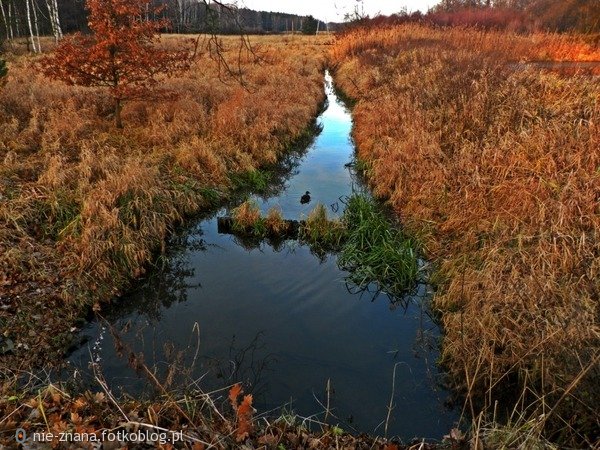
(83, 206)
(496, 169)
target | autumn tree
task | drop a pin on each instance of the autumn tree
(120, 53)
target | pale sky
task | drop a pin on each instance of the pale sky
(334, 10)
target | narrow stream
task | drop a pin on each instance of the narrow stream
(283, 320)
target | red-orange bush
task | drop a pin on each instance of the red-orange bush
(119, 54)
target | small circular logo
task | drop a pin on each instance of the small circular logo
(20, 436)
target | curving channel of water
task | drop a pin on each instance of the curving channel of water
(283, 320)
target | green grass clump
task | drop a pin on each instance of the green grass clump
(253, 180)
(211, 196)
(370, 247)
(362, 166)
(374, 250)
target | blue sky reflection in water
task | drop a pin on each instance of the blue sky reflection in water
(283, 320)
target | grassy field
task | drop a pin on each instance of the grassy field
(83, 206)
(491, 164)
(495, 167)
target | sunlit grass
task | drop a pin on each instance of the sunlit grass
(322, 232)
(495, 168)
(96, 202)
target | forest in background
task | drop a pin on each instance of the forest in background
(579, 16)
(34, 18)
(522, 16)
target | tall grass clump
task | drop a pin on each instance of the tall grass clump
(275, 222)
(494, 166)
(320, 231)
(369, 246)
(247, 218)
(375, 250)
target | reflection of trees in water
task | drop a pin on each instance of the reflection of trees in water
(167, 282)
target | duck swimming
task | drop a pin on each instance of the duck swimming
(305, 198)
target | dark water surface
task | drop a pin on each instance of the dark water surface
(283, 320)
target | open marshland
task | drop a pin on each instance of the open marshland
(494, 165)
(444, 271)
(85, 205)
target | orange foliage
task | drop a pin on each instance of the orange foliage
(244, 415)
(486, 18)
(243, 411)
(119, 54)
(366, 42)
(234, 393)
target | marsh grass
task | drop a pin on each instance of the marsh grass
(275, 222)
(362, 167)
(495, 169)
(253, 180)
(376, 250)
(525, 435)
(369, 246)
(247, 218)
(85, 207)
(321, 232)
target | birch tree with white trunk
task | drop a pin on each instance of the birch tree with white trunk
(32, 34)
(52, 6)
(7, 19)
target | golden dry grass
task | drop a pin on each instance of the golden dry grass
(275, 222)
(497, 170)
(246, 215)
(83, 205)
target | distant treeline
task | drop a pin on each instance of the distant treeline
(581, 16)
(32, 18)
(194, 16)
